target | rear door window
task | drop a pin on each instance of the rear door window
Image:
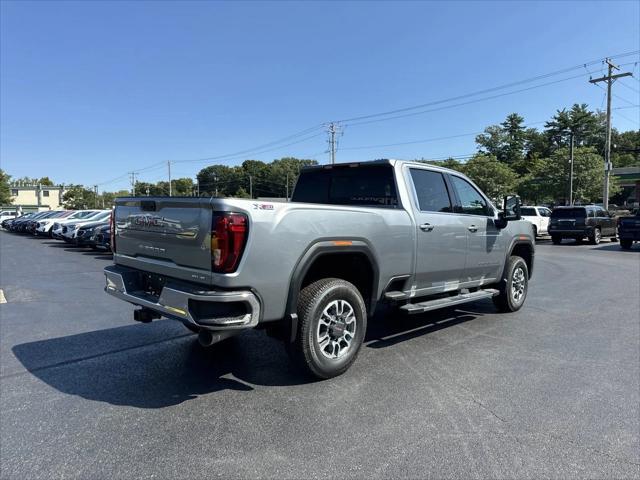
(527, 212)
(431, 191)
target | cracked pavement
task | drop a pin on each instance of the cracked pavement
(551, 391)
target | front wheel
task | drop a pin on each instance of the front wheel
(626, 243)
(595, 237)
(514, 286)
(332, 325)
(556, 239)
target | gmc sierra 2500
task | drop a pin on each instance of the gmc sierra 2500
(315, 268)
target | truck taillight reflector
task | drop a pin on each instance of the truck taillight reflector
(228, 238)
(112, 222)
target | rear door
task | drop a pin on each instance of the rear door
(165, 235)
(486, 249)
(441, 235)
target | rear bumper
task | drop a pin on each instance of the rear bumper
(569, 232)
(189, 303)
(629, 235)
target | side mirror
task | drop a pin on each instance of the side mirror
(511, 210)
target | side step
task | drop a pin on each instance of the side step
(396, 296)
(429, 305)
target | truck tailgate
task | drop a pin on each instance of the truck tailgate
(165, 235)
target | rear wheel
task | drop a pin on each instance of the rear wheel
(514, 286)
(332, 324)
(626, 243)
(535, 231)
(556, 239)
(595, 237)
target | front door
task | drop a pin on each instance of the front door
(486, 249)
(441, 236)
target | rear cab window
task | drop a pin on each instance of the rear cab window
(348, 184)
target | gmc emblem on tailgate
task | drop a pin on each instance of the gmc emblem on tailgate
(147, 221)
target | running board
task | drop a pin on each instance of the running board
(448, 301)
(396, 296)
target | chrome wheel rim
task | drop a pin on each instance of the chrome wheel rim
(518, 284)
(597, 236)
(336, 329)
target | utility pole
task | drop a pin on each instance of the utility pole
(95, 197)
(333, 129)
(250, 186)
(133, 183)
(607, 149)
(215, 181)
(287, 186)
(571, 171)
(198, 186)
(169, 167)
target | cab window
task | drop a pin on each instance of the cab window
(471, 202)
(431, 191)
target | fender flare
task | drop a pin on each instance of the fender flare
(311, 254)
(512, 246)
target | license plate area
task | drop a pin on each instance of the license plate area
(152, 284)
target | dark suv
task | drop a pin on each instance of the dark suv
(629, 230)
(588, 221)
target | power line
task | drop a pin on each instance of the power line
(491, 97)
(487, 90)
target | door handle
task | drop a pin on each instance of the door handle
(472, 228)
(426, 227)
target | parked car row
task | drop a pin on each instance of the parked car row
(83, 228)
(580, 222)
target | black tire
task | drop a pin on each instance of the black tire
(596, 236)
(507, 300)
(626, 243)
(535, 232)
(556, 239)
(306, 350)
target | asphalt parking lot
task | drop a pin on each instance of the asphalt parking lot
(551, 391)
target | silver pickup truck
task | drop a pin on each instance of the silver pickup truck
(313, 270)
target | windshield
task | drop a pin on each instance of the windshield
(569, 213)
(83, 214)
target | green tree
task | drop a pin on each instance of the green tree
(5, 190)
(492, 176)
(450, 163)
(46, 181)
(76, 197)
(625, 148)
(588, 175)
(507, 141)
(588, 127)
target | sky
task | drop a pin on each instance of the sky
(92, 90)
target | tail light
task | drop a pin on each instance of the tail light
(112, 226)
(228, 238)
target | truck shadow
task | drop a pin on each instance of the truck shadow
(392, 327)
(159, 365)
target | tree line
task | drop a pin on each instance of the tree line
(511, 157)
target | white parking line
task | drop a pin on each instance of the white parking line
(2, 297)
